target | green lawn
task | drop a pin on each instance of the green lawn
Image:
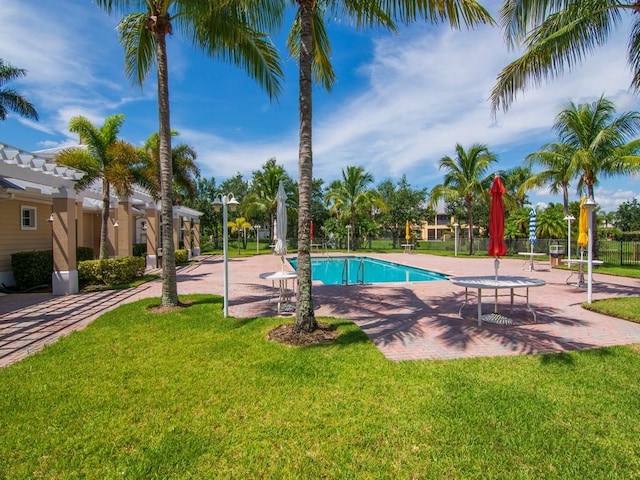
(623, 307)
(193, 395)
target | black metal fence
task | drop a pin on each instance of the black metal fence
(611, 252)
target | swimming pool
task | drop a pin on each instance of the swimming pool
(353, 270)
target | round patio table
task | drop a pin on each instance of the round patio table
(501, 282)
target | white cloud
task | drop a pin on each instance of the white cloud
(421, 92)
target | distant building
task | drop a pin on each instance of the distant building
(440, 227)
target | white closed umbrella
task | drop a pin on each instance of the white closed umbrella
(281, 223)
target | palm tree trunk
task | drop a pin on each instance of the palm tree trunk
(104, 228)
(169, 281)
(305, 315)
(565, 199)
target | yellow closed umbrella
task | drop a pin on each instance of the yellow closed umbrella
(583, 225)
(406, 231)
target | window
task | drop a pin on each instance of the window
(27, 218)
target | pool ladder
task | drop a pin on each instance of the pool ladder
(359, 272)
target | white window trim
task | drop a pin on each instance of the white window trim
(34, 211)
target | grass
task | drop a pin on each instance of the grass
(191, 394)
(623, 307)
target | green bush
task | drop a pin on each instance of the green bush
(84, 253)
(112, 271)
(182, 256)
(627, 236)
(32, 268)
(139, 249)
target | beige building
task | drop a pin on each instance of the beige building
(41, 210)
(440, 227)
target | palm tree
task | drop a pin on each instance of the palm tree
(239, 226)
(550, 223)
(309, 43)
(114, 161)
(184, 170)
(350, 196)
(11, 99)
(227, 30)
(599, 141)
(557, 173)
(465, 178)
(557, 35)
(264, 187)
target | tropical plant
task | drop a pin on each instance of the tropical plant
(404, 204)
(513, 180)
(558, 170)
(309, 43)
(11, 99)
(550, 222)
(261, 200)
(557, 35)
(117, 163)
(351, 195)
(240, 226)
(227, 30)
(627, 217)
(184, 169)
(599, 140)
(465, 178)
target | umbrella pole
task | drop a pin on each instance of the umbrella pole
(496, 266)
(531, 258)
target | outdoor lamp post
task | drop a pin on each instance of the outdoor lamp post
(222, 202)
(455, 242)
(569, 218)
(590, 205)
(257, 229)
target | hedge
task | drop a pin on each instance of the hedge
(112, 271)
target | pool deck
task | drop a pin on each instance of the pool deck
(415, 321)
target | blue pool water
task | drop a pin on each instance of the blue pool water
(353, 270)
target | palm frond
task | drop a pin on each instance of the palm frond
(560, 42)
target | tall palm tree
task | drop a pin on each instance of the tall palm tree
(184, 169)
(113, 161)
(351, 195)
(465, 178)
(558, 170)
(309, 43)
(11, 99)
(230, 30)
(557, 35)
(600, 141)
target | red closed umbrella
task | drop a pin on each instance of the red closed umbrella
(497, 246)
(311, 231)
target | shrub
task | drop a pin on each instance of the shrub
(139, 249)
(32, 268)
(182, 256)
(84, 253)
(112, 271)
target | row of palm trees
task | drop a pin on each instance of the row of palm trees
(593, 144)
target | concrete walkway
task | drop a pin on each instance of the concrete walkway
(405, 321)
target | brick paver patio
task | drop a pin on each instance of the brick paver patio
(405, 321)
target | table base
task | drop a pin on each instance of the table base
(497, 319)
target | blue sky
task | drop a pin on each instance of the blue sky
(401, 102)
